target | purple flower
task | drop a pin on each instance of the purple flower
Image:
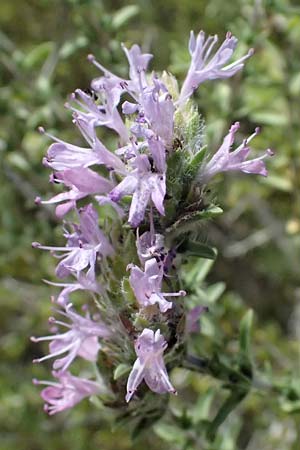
(129, 107)
(155, 116)
(147, 285)
(62, 155)
(149, 245)
(225, 160)
(83, 245)
(158, 153)
(105, 114)
(81, 339)
(111, 81)
(138, 64)
(159, 111)
(144, 185)
(206, 67)
(67, 391)
(84, 281)
(149, 365)
(82, 182)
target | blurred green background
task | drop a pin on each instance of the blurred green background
(43, 48)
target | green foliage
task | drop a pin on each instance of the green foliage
(43, 48)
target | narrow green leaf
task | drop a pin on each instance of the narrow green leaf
(215, 291)
(170, 433)
(196, 162)
(37, 56)
(271, 118)
(195, 274)
(124, 15)
(202, 408)
(194, 248)
(245, 333)
(231, 402)
(279, 183)
(208, 327)
(120, 370)
(71, 46)
(210, 212)
(190, 221)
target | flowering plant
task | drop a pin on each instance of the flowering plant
(135, 212)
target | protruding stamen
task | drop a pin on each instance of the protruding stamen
(45, 383)
(58, 353)
(58, 249)
(91, 58)
(174, 294)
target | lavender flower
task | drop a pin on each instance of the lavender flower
(83, 245)
(105, 114)
(67, 391)
(149, 365)
(143, 184)
(159, 110)
(62, 155)
(81, 339)
(83, 282)
(224, 160)
(147, 285)
(82, 182)
(204, 67)
(149, 245)
(111, 81)
(155, 112)
(138, 64)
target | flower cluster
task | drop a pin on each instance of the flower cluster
(133, 208)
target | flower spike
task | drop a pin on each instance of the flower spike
(134, 204)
